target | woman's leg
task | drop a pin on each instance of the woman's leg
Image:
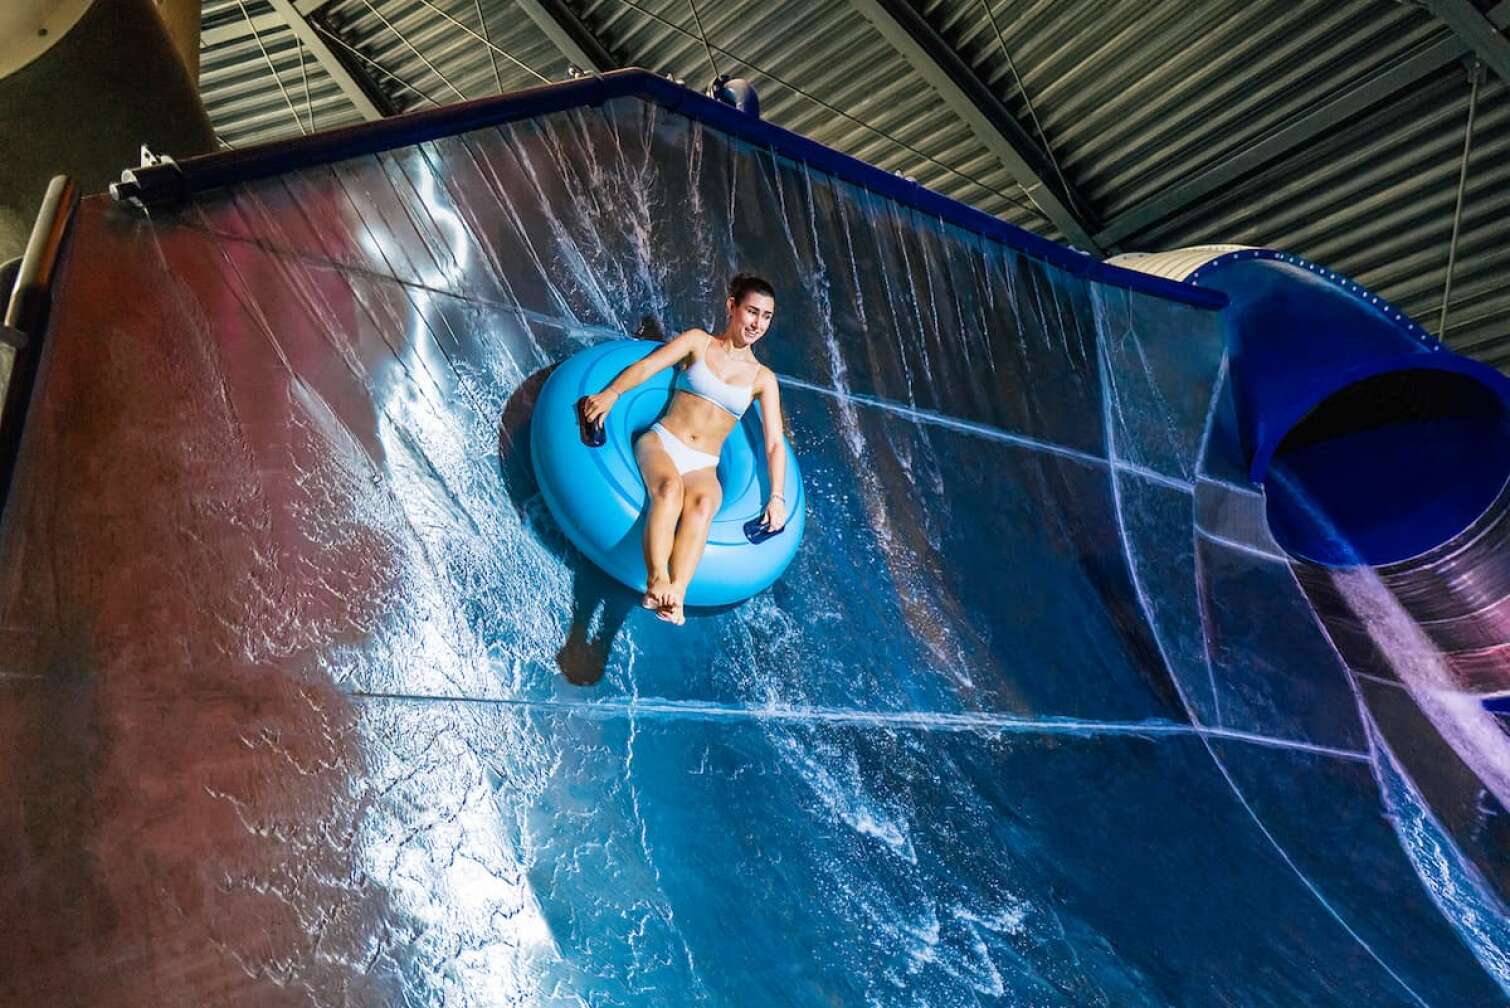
(664, 485)
(701, 497)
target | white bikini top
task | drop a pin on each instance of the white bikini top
(699, 380)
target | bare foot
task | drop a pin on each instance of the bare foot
(671, 609)
(657, 590)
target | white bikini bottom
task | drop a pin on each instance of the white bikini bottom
(685, 459)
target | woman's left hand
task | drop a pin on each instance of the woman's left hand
(775, 514)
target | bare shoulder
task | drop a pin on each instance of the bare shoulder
(765, 380)
(690, 341)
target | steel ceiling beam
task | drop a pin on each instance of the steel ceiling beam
(569, 34)
(358, 90)
(1315, 124)
(1477, 31)
(235, 30)
(993, 124)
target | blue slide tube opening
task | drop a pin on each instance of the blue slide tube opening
(1374, 443)
(1389, 466)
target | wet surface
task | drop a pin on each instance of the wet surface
(306, 700)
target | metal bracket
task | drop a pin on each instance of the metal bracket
(155, 183)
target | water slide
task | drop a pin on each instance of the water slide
(308, 701)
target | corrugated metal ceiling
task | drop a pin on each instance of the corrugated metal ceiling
(242, 44)
(1154, 111)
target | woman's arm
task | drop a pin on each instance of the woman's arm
(775, 447)
(597, 406)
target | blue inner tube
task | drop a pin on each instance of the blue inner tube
(598, 497)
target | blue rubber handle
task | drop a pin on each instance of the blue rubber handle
(594, 435)
(757, 532)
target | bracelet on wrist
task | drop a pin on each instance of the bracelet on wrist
(778, 497)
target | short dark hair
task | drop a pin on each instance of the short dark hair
(749, 283)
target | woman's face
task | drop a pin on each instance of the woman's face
(752, 316)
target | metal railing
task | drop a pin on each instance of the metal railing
(21, 334)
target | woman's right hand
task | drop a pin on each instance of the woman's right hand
(597, 406)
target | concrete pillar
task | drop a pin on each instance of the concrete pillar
(83, 84)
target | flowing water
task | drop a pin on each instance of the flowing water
(309, 701)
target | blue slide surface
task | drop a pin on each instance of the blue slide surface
(307, 699)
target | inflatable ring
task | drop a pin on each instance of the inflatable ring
(598, 497)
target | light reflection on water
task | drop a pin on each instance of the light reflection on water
(964, 753)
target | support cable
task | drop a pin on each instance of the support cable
(1026, 100)
(272, 69)
(371, 62)
(491, 47)
(488, 43)
(704, 36)
(309, 107)
(1476, 75)
(415, 50)
(1023, 205)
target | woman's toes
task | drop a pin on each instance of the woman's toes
(674, 604)
(656, 589)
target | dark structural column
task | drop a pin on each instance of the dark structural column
(84, 103)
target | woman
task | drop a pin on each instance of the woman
(678, 455)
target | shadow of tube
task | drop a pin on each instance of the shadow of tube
(600, 605)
